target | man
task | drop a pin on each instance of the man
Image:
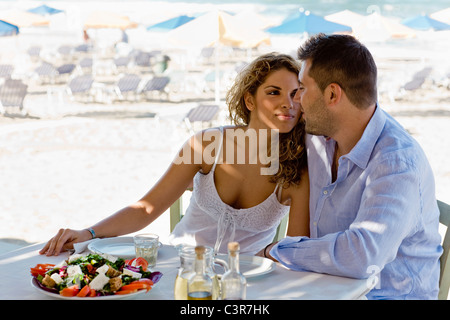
(372, 199)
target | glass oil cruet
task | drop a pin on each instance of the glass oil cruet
(200, 284)
(186, 270)
(234, 284)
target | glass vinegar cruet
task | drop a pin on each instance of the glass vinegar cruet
(200, 284)
(234, 284)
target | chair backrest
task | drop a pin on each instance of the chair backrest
(444, 280)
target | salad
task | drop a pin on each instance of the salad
(95, 275)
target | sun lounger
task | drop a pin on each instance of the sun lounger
(127, 86)
(203, 114)
(80, 87)
(12, 95)
(156, 85)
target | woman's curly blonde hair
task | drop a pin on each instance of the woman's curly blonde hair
(292, 151)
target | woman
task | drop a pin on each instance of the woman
(232, 199)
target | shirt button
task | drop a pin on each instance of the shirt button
(315, 224)
(325, 192)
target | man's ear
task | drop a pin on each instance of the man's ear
(249, 101)
(333, 94)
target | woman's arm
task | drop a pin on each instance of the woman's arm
(139, 214)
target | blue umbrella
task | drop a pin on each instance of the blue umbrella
(44, 10)
(309, 23)
(424, 22)
(171, 23)
(8, 29)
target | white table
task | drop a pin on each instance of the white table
(281, 283)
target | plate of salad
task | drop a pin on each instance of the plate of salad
(94, 276)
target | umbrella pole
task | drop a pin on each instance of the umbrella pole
(216, 75)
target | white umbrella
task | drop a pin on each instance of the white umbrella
(217, 28)
(378, 28)
(346, 17)
(23, 18)
(106, 19)
(442, 15)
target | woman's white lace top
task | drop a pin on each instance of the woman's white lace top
(209, 221)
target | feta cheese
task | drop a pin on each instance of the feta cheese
(74, 257)
(72, 271)
(132, 273)
(57, 278)
(109, 257)
(103, 269)
(99, 282)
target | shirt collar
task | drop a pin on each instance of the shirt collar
(361, 152)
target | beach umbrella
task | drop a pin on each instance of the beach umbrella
(110, 20)
(442, 15)
(425, 22)
(23, 18)
(44, 10)
(378, 28)
(345, 17)
(305, 21)
(8, 29)
(215, 29)
(170, 24)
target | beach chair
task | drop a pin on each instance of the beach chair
(64, 71)
(12, 95)
(122, 63)
(156, 85)
(6, 71)
(65, 52)
(418, 79)
(142, 61)
(46, 73)
(128, 86)
(85, 65)
(202, 114)
(80, 87)
(34, 53)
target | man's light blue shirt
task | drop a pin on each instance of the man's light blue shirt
(379, 215)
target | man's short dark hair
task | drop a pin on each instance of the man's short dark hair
(342, 59)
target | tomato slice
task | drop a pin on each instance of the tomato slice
(138, 262)
(70, 291)
(41, 269)
(84, 292)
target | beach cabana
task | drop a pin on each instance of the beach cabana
(170, 24)
(307, 22)
(44, 10)
(425, 22)
(8, 29)
(378, 28)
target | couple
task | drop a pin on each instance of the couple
(365, 204)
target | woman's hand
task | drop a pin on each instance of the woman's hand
(64, 240)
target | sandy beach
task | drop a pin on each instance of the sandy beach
(70, 164)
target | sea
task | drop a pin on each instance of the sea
(391, 8)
